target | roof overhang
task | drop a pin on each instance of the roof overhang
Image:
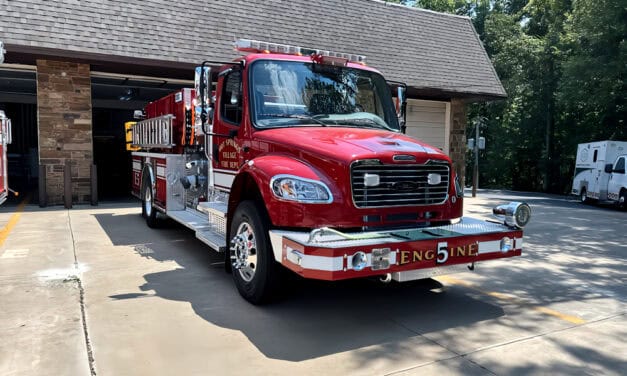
(28, 55)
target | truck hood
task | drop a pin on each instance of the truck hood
(345, 145)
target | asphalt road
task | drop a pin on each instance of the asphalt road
(94, 291)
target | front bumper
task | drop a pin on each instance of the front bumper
(406, 254)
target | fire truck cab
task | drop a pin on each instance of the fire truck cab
(296, 159)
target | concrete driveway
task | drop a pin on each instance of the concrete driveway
(92, 290)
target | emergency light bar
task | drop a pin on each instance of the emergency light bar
(320, 56)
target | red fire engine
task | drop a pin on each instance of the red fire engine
(298, 160)
(5, 139)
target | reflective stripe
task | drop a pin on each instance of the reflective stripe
(495, 246)
(334, 264)
(311, 262)
(490, 247)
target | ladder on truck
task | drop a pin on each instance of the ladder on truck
(153, 133)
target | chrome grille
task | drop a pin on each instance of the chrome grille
(399, 185)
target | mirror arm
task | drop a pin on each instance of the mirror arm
(404, 112)
(230, 135)
(203, 111)
(401, 88)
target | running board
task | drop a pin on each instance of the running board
(212, 239)
(216, 215)
(199, 223)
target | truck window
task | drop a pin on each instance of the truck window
(231, 101)
(291, 93)
(620, 164)
(594, 157)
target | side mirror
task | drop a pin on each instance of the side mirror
(202, 85)
(401, 106)
(9, 132)
(608, 168)
(2, 52)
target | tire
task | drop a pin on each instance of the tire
(583, 198)
(622, 200)
(148, 208)
(255, 272)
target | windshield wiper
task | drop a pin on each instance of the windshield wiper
(296, 116)
(365, 121)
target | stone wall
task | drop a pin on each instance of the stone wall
(65, 127)
(457, 147)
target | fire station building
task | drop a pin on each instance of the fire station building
(74, 71)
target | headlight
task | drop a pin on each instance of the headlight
(294, 188)
(514, 214)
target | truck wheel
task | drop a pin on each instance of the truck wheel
(148, 209)
(255, 272)
(622, 200)
(584, 198)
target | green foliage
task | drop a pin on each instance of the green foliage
(594, 96)
(511, 129)
(563, 64)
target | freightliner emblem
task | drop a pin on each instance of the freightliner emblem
(404, 186)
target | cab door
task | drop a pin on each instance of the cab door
(617, 179)
(228, 120)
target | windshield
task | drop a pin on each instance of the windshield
(289, 93)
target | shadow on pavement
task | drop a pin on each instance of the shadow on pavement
(315, 318)
(583, 245)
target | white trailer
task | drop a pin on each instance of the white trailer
(600, 172)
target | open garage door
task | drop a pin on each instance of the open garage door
(427, 121)
(114, 98)
(18, 99)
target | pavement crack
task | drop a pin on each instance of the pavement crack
(81, 289)
(544, 334)
(423, 336)
(465, 355)
(456, 354)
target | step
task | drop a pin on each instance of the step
(216, 215)
(190, 218)
(215, 208)
(204, 230)
(213, 239)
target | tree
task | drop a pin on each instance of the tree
(593, 92)
(563, 64)
(512, 129)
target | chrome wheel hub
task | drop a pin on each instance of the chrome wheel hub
(244, 252)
